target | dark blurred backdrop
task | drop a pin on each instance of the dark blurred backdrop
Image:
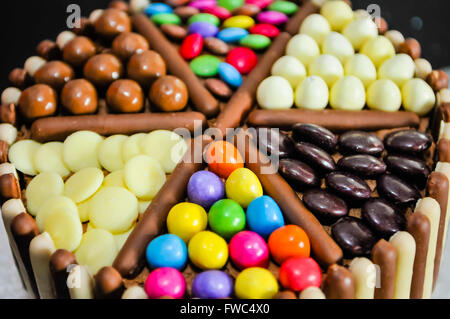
(24, 23)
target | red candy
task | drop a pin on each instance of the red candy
(219, 12)
(243, 59)
(265, 29)
(192, 46)
(259, 3)
(300, 273)
(288, 241)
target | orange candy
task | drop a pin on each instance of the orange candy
(288, 241)
(223, 158)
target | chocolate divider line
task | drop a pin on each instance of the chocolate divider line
(293, 25)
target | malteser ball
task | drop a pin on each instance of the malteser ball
(360, 31)
(63, 38)
(118, 4)
(378, 49)
(78, 51)
(316, 26)
(55, 74)
(79, 97)
(304, 48)
(33, 63)
(312, 93)
(37, 101)
(290, 68)
(328, 67)
(399, 69)
(338, 14)
(137, 6)
(10, 95)
(396, 38)
(348, 93)
(146, 67)
(128, 43)
(169, 93)
(338, 45)
(112, 22)
(411, 47)
(275, 92)
(362, 67)
(384, 95)
(103, 69)
(423, 68)
(125, 96)
(418, 96)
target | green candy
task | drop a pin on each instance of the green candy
(166, 18)
(231, 4)
(226, 218)
(205, 65)
(205, 17)
(285, 7)
(255, 41)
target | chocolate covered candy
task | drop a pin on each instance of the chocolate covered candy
(103, 69)
(316, 135)
(360, 143)
(396, 190)
(37, 101)
(408, 167)
(54, 74)
(274, 142)
(326, 206)
(79, 97)
(362, 165)
(146, 67)
(125, 96)
(78, 51)
(315, 156)
(112, 22)
(169, 93)
(128, 43)
(383, 217)
(407, 141)
(299, 174)
(349, 186)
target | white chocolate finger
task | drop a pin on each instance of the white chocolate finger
(444, 168)
(8, 168)
(10, 209)
(365, 273)
(406, 249)
(135, 292)
(312, 293)
(22, 153)
(80, 283)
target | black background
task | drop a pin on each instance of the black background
(24, 24)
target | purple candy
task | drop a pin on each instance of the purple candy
(272, 17)
(212, 284)
(203, 4)
(205, 188)
(205, 29)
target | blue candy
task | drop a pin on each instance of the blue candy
(232, 35)
(167, 250)
(264, 216)
(156, 8)
(205, 29)
(229, 74)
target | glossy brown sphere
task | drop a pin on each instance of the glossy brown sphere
(146, 67)
(37, 101)
(55, 74)
(125, 96)
(78, 51)
(118, 4)
(112, 22)
(79, 97)
(48, 50)
(103, 69)
(169, 93)
(128, 43)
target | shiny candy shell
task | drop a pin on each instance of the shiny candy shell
(212, 284)
(226, 218)
(205, 17)
(165, 282)
(290, 68)
(243, 186)
(205, 65)
(205, 29)
(239, 21)
(167, 251)
(272, 17)
(205, 188)
(229, 74)
(248, 249)
(203, 4)
(243, 59)
(259, 3)
(166, 18)
(299, 273)
(156, 8)
(230, 4)
(288, 241)
(348, 93)
(223, 158)
(268, 30)
(232, 35)
(186, 219)
(191, 46)
(219, 12)
(264, 216)
(208, 250)
(285, 7)
(256, 283)
(255, 41)
(275, 92)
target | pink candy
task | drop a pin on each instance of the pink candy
(259, 3)
(219, 12)
(272, 17)
(203, 4)
(165, 282)
(248, 249)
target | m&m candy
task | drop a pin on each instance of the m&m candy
(212, 284)
(205, 188)
(167, 251)
(165, 282)
(300, 273)
(208, 250)
(248, 249)
(264, 216)
(243, 186)
(288, 241)
(186, 219)
(243, 59)
(256, 283)
(223, 158)
(226, 218)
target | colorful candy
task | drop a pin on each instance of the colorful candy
(243, 59)
(167, 251)
(212, 284)
(232, 35)
(223, 158)
(226, 218)
(205, 65)
(265, 29)
(271, 17)
(191, 46)
(156, 8)
(205, 188)
(248, 249)
(299, 273)
(285, 7)
(203, 4)
(165, 282)
(259, 3)
(205, 17)
(288, 241)
(264, 216)
(256, 283)
(255, 41)
(208, 250)
(231, 4)
(220, 12)
(186, 219)
(229, 74)
(239, 21)
(243, 186)
(166, 18)
(205, 29)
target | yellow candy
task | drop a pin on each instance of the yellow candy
(316, 26)
(348, 93)
(399, 69)
(289, 68)
(418, 96)
(360, 31)
(256, 283)
(186, 219)
(239, 21)
(243, 186)
(328, 67)
(378, 49)
(362, 67)
(384, 95)
(312, 94)
(338, 14)
(208, 250)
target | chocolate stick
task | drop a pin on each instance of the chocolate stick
(108, 283)
(384, 254)
(323, 246)
(58, 128)
(60, 260)
(294, 23)
(129, 260)
(334, 120)
(443, 150)
(339, 283)
(203, 100)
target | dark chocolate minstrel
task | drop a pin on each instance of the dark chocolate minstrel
(384, 254)
(316, 135)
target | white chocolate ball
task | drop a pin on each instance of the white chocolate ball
(339, 46)
(360, 31)
(361, 13)
(304, 48)
(338, 14)
(289, 68)
(95, 15)
(319, 3)
(63, 38)
(362, 67)
(275, 92)
(316, 26)
(11, 95)
(138, 6)
(312, 93)
(328, 67)
(384, 95)
(399, 68)
(378, 49)
(418, 96)
(348, 93)
(422, 68)
(8, 133)
(33, 63)
(396, 38)
(443, 96)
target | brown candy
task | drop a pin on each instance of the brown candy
(120, 5)
(48, 50)
(79, 97)
(108, 283)
(411, 47)
(185, 12)
(174, 31)
(78, 51)
(286, 294)
(19, 78)
(60, 260)
(216, 46)
(9, 186)
(8, 113)
(169, 93)
(125, 96)
(247, 10)
(339, 283)
(37, 101)
(438, 80)
(146, 67)
(55, 74)
(84, 26)
(382, 25)
(444, 150)
(218, 88)
(176, 3)
(103, 69)
(112, 22)
(128, 43)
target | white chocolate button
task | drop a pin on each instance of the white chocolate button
(406, 252)
(400, 68)
(360, 31)
(115, 179)
(120, 239)
(364, 273)
(113, 209)
(49, 158)
(64, 228)
(338, 45)
(316, 26)
(83, 184)
(22, 153)
(144, 176)
(110, 152)
(328, 67)
(289, 68)
(55, 204)
(384, 95)
(338, 14)
(33, 63)
(83, 210)
(418, 96)
(41, 188)
(312, 94)
(11, 95)
(395, 37)
(135, 292)
(275, 92)
(132, 146)
(143, 205)
(304, 48)
(348, 94)
(422, 68)
(378, 49)
(80, 150)
(8, 133)
(362, 67)
(312, 293)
